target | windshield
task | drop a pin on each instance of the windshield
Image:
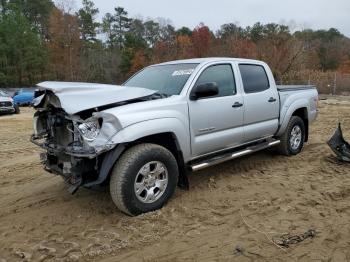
(165, 79)
(3, 94)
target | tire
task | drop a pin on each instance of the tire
(127, 174)
(285, 147)
(17, 110)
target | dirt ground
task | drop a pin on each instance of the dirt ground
(231, 212)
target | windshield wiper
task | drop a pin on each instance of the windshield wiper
(160, 95)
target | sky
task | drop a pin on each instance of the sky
(299, 14)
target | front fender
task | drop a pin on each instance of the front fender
(157, 126)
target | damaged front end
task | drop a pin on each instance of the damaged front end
(339, 146)
(77, 147)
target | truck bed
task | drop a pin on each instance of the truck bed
(285, 88)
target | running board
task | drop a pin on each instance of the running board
(232, 155)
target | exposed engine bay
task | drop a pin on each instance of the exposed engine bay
(66, 153)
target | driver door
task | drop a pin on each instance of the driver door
(216, 122)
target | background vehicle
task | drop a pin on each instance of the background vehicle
(7, 106)
(164, 121)
(23, 97)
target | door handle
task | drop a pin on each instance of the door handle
(272, 99)
(237, 104)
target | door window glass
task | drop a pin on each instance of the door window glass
(223, 76)
(254, 78)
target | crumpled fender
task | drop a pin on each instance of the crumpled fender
(157, 126)
(339, 146)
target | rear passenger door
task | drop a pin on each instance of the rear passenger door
(261, 103)
(216, 122)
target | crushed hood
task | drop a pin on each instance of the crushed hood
(77, 97)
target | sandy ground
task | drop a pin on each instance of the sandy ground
(240, 204)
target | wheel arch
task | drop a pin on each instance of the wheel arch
(169, 133)
(303, 114)
(169, 141)
(301, 109)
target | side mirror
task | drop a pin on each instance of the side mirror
(204, 90)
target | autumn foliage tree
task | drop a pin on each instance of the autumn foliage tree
(184, 46)
(201, 39)
(138, 62)
(64, 45)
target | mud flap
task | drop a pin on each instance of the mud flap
(107, 165)
(339, 146)
(72, 189)
(183, 182)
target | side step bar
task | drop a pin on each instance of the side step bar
(232, 155)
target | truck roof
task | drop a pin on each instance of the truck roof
(208, 60)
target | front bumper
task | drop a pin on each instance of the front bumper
(77, 166)
(7, 110)
(74, 149)
(339, 146)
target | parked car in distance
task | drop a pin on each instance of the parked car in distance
(23, 97)
(144, 136)
(7, 105)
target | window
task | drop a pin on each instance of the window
(254, 78)
(222, 75)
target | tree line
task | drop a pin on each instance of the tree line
(40, 40)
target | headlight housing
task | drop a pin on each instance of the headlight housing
(90, 129)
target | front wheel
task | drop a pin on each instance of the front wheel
(143, 179)
(292, 141)
(17, 110)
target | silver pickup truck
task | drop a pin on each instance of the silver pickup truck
(144, 136)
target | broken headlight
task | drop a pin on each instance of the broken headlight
(90, 129)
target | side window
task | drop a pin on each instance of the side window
(222, 75)
(254, 78)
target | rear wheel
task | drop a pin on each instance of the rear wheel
(143, 179)
(292, 141)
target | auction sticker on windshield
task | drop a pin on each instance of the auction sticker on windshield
(183, 72)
